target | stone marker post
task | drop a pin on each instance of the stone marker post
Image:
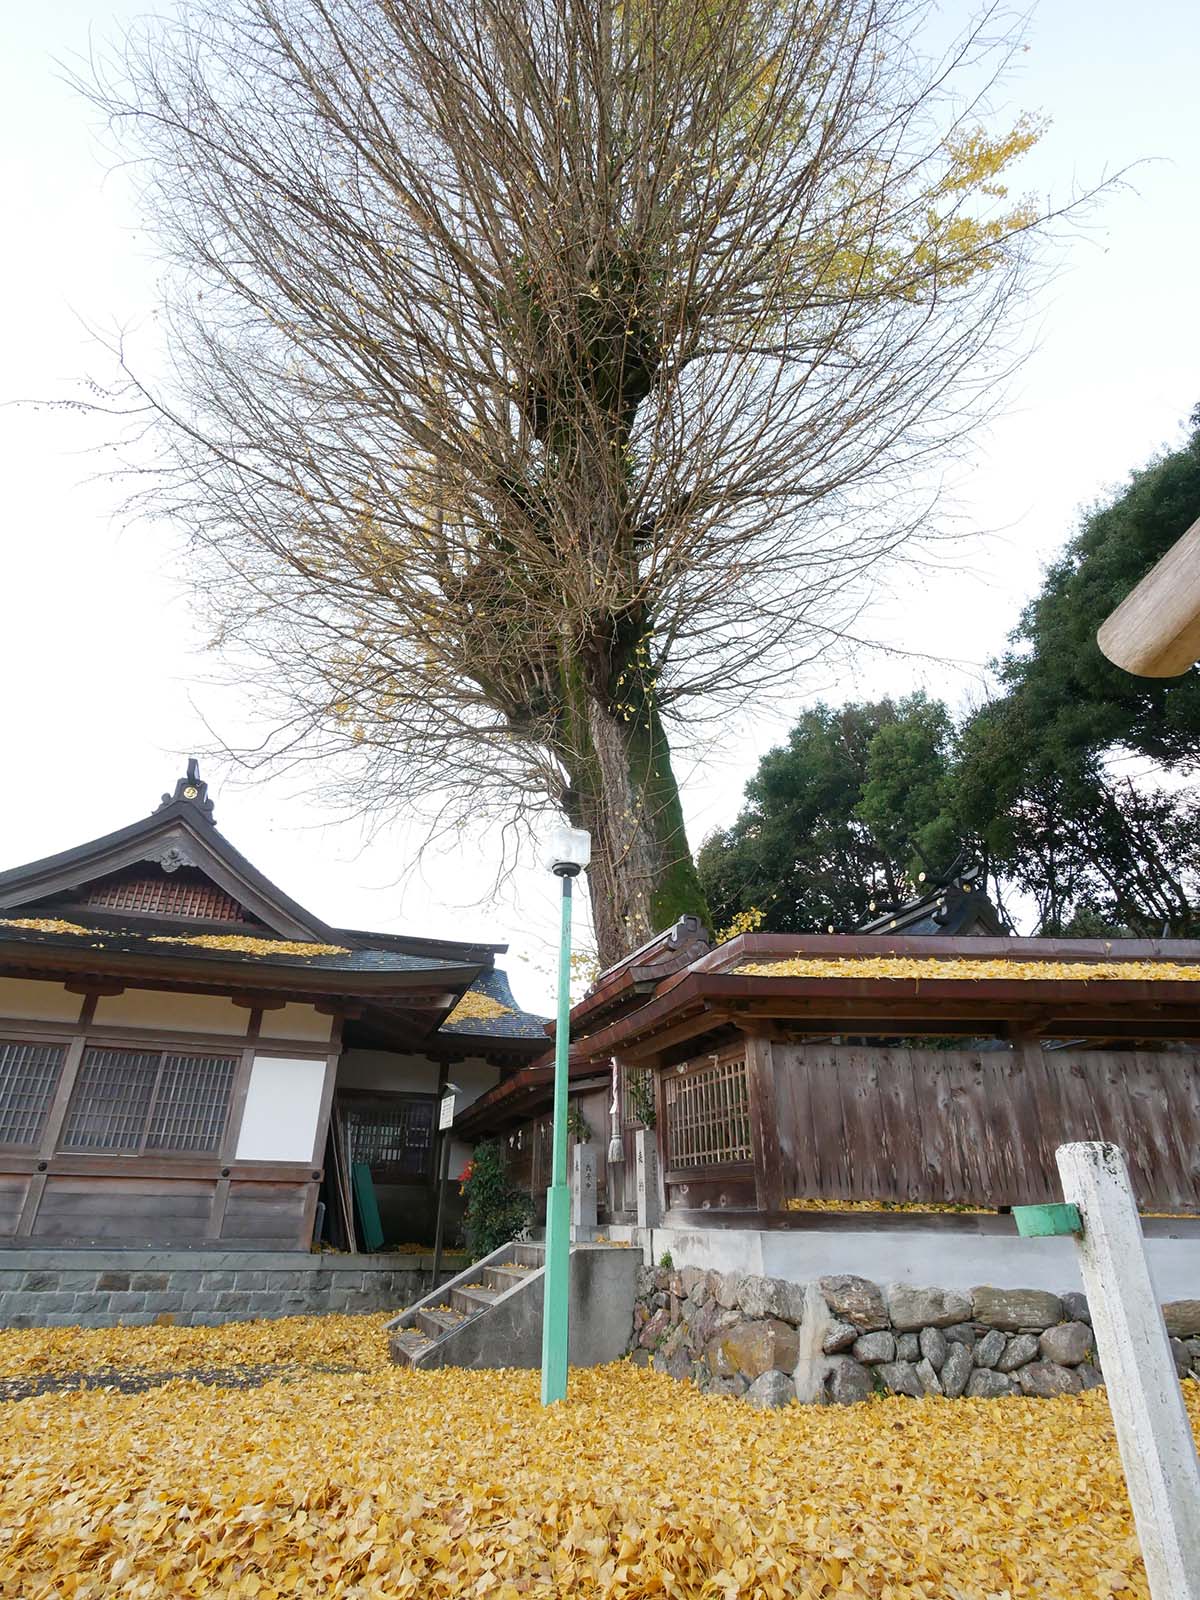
(645, 1146)
(583, 1191)
(1153, 1432)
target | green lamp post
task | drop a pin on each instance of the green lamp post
(569, 853)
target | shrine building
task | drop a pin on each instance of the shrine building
(191, 1059)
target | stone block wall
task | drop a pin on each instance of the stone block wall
(845, 1338)
(123, 1288)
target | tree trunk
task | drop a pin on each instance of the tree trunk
(623, 791)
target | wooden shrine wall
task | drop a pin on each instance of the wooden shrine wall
(981, 1126)
(751, 1128)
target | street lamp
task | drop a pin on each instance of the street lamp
(570, 850)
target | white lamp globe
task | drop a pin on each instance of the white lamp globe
(568, 850)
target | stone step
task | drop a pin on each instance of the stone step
(470, 1301)
(427, 1327)
(506, 1277)
(435, 1322)
(407, 1345)
(528, 1253)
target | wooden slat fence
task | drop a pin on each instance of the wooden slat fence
(981, 1127)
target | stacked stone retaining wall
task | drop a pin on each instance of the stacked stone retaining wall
(106, 1289)
(846, 1338)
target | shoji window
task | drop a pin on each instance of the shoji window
(128, 1101)
(29, 1075)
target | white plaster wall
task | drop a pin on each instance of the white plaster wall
(283, 1103)
(296, 1021)
(946, 1260)
(388, 1071)
(473, 1078)
(30, 1000)
(172, 1013)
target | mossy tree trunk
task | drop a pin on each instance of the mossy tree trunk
(622, 789)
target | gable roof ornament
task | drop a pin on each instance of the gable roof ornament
(192, 790)
(179, 833)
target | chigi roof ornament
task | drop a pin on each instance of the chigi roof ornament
(193, 789)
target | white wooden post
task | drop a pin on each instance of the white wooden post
(583, 1191)
(1153, 1433)
(649, 1208)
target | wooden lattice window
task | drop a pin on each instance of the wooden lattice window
(185, 894)
(708, 1116)
(393, 1134)
(127, 1101)
(637, 1097)
(29, 1075)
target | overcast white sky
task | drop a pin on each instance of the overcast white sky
(101, 684)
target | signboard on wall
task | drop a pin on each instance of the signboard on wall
(446, 1112)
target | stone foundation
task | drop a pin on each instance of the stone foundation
(845, 1338)
(123, 1288)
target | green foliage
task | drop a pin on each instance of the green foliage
(1070, 694)
(641, 1096)
(578, 1126)
(1041, 781)
(907, 799)
(846, 813)
(665, 1261)
(497, 1210)
(862, 798)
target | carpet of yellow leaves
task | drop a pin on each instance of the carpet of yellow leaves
(967, 967)
(312, 1341)
(390, 1482)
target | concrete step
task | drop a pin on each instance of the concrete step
(528, 1253)
(490, 1314)
(434, 1321)
(471, 1301)
(507, 1276)
(406, 1346)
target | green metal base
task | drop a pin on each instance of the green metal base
(554, 1314)
(1040, 1222)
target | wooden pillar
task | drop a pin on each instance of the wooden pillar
(764, 1123)
(659, 1135)
(1151, 1423)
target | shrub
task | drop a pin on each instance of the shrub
(497, 1210)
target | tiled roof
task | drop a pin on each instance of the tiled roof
(506, 1021)
(250, 950)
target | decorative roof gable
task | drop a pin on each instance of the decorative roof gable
(173, 863)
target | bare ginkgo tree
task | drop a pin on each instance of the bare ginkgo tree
(545, 374)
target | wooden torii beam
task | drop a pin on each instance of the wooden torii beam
(1155, 631)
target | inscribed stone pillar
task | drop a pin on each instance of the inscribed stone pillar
(583, 1191)
(649, 1211)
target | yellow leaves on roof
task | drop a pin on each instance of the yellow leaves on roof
(966, 967)
(477, 1007)
(45, 925)
(245, 945)
(428, 1485)
(236, 943)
